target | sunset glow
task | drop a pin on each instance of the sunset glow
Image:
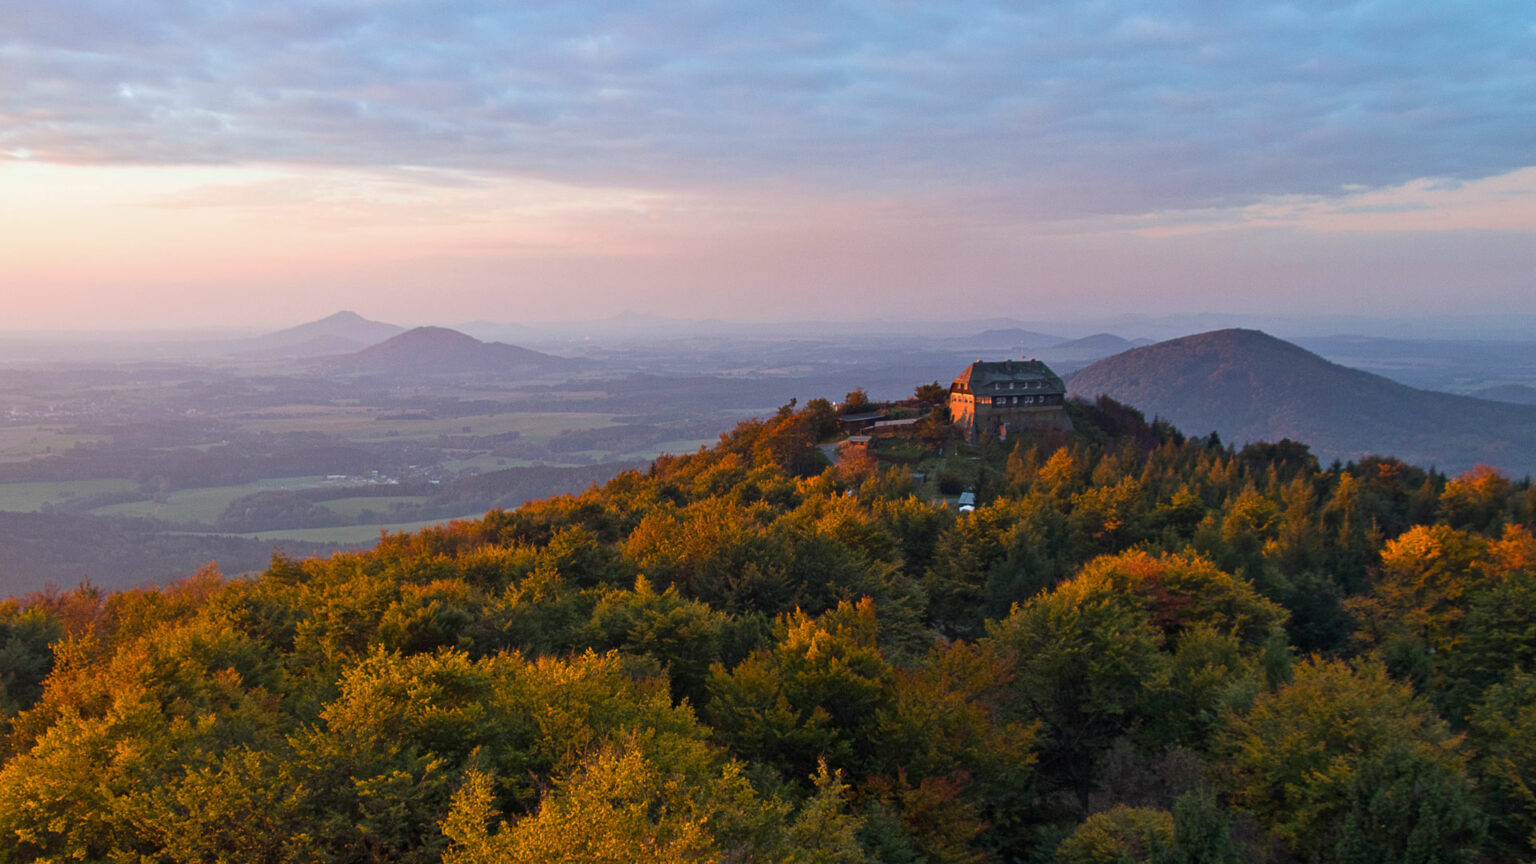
(257, 166)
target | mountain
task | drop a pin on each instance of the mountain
(342, 333)
(1010, 338)
(1063, 354)
(441, 351)
(1081, 352)
(1248, 385)
(1103, 343)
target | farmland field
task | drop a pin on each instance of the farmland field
(348, 534)
(21, 443)
(30, 497)
(204, 505)
(158, 452)
(377, 425)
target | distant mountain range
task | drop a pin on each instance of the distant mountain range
(441, 351)
(1011, 338)
(1089, 348)
(342, 333)
(1062, 353)
(1247, 385)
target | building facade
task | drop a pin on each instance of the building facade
(998, 397)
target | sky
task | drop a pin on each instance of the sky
(194, 163)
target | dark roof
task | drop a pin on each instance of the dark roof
(859, 418)
(986, 376)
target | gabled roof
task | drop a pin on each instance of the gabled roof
(984, 375)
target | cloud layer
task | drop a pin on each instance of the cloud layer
(1040, 109)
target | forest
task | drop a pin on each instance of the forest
(1141, 646)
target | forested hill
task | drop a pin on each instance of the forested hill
(1139, 647)
(1250, 386)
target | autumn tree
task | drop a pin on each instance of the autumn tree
(856, 400)
(1118, 835)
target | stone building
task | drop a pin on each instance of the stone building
(998, 397)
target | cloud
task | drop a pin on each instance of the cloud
(1504, 203)
(1041, 110)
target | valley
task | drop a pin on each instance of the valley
(321, 437)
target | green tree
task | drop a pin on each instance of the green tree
(1495, 638)
(932, 394)
(812, 696)
(823, 831)
(1502, 730)
(1083, 661)
(684, 636)
(1119, 835)
(1403, 807)
(1202, 831)
(1304, 759)
(1415, 607)
(27, 636)
(1160, 645)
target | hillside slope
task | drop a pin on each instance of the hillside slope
(1248, 385)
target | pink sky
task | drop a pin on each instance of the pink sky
(121, 247)
(253, 165)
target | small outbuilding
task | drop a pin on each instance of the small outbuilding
(887, 428)
(855, 423)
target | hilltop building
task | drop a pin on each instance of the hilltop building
(1004, 396)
